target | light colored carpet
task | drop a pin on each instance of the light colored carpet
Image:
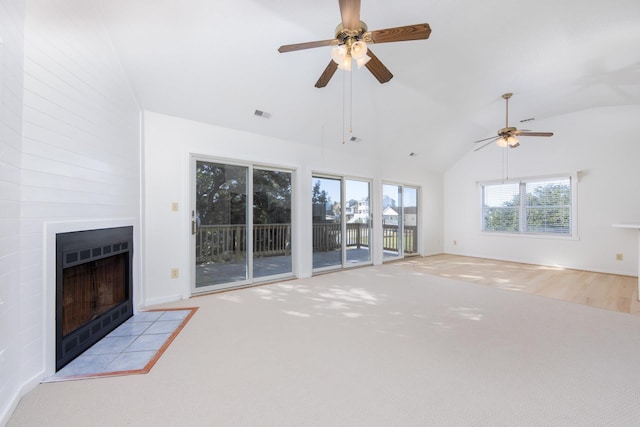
(376, 346)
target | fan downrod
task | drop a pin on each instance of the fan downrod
(506, 97)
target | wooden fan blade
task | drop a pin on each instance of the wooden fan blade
(399, 34)
(307, 45)
(327, 74)
(524, 133)
(350, 12)
(378, 69)
(484, 145)
(486, 139)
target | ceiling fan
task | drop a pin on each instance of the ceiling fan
(507, 135)
(352, 37)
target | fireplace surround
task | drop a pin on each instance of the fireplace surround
(94, 281)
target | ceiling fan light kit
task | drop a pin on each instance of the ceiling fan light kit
(350, 43)
(343, 54)
(507, 141)
(507, 136)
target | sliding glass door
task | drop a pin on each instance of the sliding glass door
(327, 222)
(391, 221)
(219, 224)
(357, 222)
(410, 220)
(399, 221)
(271, 223)
(341, 222)
(235, 245)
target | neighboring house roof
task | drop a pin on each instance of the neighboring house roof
(389, 212)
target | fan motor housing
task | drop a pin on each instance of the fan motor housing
(344, 34)
(507, 131)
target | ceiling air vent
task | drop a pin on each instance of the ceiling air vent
(264, 114)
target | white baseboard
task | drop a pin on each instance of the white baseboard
(6, 411)
(162, 300)
(568, 267)
(432, 253)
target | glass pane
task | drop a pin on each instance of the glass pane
(327, 228)
(410, 220)
(221, 223)
(271, 223)
(548, 206)
(391, 221)
(501, 207)
(358, 221)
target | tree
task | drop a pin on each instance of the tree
(547, 209)
(336, 210)
(318, 196)
(319, 201)
(271, 205)
(221, 194)
(271, 197)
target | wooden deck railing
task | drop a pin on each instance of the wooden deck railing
(271, 239)
(326, 236)
(358, 235)
(228, 242)
(220, 242)
(390, 238)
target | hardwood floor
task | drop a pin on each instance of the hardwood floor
(606, 291)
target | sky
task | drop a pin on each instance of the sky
(359, 190)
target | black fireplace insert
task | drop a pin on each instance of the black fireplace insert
(94, 281)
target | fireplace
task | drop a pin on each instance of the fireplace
(93, 287)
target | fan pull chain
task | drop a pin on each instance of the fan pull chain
(350, 104)
(344, 104)
(505, 164)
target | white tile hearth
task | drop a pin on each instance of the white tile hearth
(131, 348)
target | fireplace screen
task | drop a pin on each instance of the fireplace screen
(93, 287)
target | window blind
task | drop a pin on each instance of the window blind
(532, 206)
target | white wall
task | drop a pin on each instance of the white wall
(169, 141)
(78, 163)
(604, 147)
(11, 65)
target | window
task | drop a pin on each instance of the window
(533, 206)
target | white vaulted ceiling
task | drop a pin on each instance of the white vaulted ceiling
(217, 61)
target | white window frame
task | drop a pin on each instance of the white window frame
(573, 177)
